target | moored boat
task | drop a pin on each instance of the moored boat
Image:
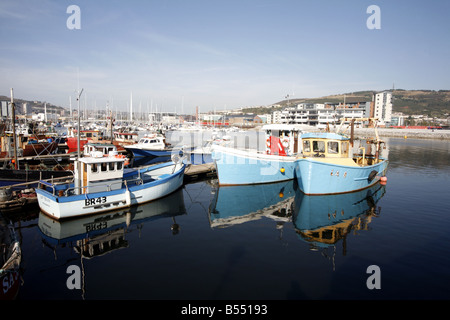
(328, 166)
(154, 145)
(85, 137)
(276, 163)
(102, 184)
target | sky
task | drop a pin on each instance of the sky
(176, 55)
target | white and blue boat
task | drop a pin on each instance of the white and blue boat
(327, 165)
(150, 146)
(101, 184)
(95, 228)
(276, 163)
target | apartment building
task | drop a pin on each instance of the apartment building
(382, 107)
(321, 114)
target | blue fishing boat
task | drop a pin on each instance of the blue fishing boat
(154, 145)
(95, 228)
(324, 220)
(328, 165)
(101, 183)
(276, 163)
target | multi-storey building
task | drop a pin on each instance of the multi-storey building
(382, 108)
(322, 114)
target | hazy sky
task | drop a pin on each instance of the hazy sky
(173, 54)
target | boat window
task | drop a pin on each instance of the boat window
(89, 135)
(111, 166)
(318, 146)
(306, 146)
(94, 167)
(104, 166)
(153, 141)
(119, 165)
(333, 147)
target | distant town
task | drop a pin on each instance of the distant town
(311, 112)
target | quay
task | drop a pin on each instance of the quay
(440, 134)
(199, 171)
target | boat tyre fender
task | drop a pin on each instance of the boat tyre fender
(372, 175)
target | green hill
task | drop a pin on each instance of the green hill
(427, 102)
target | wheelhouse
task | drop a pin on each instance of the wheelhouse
(328, 145)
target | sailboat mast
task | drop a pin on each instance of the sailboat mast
(13, 116)
(79, 119)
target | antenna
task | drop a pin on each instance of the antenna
(78, 140)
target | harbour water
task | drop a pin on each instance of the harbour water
(257, 243)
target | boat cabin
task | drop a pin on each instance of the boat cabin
(329, 145)
(287, 134)
(126, 137)
(104, 148)
(154, 142)
(99, 173)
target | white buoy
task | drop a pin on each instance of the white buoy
(128, 197)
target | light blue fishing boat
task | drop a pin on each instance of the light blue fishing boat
(327, 165)
(276, 163)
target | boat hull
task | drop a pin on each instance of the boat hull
(238, 167)
(317, 177)
(138, 152)
(63, 207)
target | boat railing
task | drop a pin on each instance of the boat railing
(73, 190)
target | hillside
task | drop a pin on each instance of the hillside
(37, 106)
(427, 102)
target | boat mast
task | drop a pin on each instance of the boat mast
(78, 139)
(13, 116)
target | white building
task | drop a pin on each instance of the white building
(383, 107)
(321, 114)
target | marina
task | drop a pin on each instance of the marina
(224, 158)
(219, 233)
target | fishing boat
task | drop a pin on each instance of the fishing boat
(101, 183)
(327, 164)
(276, 163)
(91, 230)
(125, 138)
(154, 145)
(84, 137)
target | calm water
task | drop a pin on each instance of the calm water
(261, 242)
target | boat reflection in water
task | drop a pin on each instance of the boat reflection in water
(11, 258)
(239, 204)
(324, 220)
(95, 235)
